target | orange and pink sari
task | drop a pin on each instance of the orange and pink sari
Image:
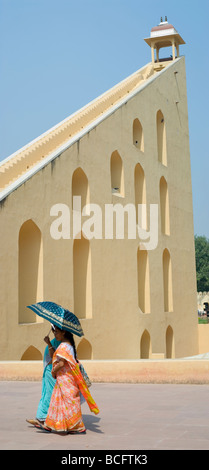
(64, 413)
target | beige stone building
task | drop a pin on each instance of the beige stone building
(130, 146)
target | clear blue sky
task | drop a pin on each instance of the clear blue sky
(57, 55)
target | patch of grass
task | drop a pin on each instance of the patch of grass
(203, 320)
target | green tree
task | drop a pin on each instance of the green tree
(202, 263)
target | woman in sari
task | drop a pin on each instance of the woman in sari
(64, 413)
(48, 382)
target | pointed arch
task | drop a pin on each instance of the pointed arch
(164, 207)
(170, 347)
(84, 349)
(140, 195)
(138, 135)
(117, 173)
(161, 138)
(82, 278)
(30, 270)
(80, 187)
(143, 280)
(167, 282)
(31, 354)
(145, 346)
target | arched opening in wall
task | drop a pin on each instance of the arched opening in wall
(30, 271)
(31, 354)
(170, 349)
(164, 207)
(84, 349)
(167, 282)
(82, 278)
(117, 174)
(138, 135)
(80, 187)
(161, 138)
(140, 196)
(143, 280)
(145, 346)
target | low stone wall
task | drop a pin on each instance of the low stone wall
(194, 371)
(203, 334)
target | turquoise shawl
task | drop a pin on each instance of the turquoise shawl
(48, 383)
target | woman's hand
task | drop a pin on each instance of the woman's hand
(47, 340)
(57, 367)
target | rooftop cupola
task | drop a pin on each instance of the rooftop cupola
(164, 35)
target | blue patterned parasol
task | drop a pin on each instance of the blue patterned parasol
(59, 316)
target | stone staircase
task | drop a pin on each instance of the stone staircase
(24, 160)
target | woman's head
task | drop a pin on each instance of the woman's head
(63, 335)
(58, 333)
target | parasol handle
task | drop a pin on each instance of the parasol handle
(49, 331)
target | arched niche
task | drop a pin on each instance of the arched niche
(143, 280)
(82, 278)
(138, 135)
(84, 349)
(145, 346)
(31, 354)
(164, 207)
(161, 138)
(140, 196)
(80, 187)
(170, 346)
(167, 282)
(117, 174)
(30, 270)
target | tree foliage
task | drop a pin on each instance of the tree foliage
(202, 263)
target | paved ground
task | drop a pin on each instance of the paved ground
(133, 416)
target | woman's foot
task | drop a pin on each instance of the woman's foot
(34, 421)
(42, 427)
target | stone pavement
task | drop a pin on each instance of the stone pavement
(133, 416)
